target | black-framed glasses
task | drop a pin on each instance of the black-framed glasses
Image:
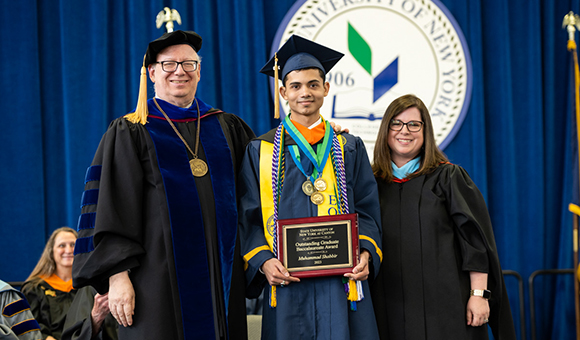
(171, 66)
(412, 125)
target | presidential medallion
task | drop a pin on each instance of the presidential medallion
(198, 167)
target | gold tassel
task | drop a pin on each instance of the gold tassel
(141, 112)
(571, 45)
(273, 301)
(276, 88)
(352, 292)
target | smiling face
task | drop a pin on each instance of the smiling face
(405, 145)
(178, 87)
(305, 91)
(63, 249)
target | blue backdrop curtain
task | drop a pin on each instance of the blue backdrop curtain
(69, 67)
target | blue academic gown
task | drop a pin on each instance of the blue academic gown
(314, 308)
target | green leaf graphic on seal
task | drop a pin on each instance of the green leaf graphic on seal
(360, 50)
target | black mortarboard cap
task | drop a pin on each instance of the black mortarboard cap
(299, 53)
(169, 39)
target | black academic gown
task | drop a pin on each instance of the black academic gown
(49, 306)
(78, 324)
(436, 229)
(143, 210)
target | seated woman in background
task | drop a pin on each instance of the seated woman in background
(49, 289)
(440, 278)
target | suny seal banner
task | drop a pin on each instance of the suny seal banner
(392, 48)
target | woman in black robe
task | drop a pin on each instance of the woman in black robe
(441, 277)
(49, 288)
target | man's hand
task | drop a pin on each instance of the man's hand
(277, 274)
(122, 298)
(99, 312)
(361, 271)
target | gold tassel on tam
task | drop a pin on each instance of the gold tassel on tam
(276, 88)
(141, 112)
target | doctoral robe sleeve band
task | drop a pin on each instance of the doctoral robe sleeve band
(25, 326)
(93, 173)
(15, 307)
(87, 219)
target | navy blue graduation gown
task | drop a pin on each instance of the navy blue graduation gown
(315, 308)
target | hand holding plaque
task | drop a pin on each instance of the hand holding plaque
(361, 271)
(277, 274)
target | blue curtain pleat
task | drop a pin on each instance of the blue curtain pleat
(70, 67)
(23, 206)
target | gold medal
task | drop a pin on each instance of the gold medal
(308, 188)
(317, 198)
(320, 184)
(198, 167)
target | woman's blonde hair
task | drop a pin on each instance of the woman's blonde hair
(46, 266)
(431, 156)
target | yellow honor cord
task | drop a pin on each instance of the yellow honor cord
(352, 292)
(273, 301)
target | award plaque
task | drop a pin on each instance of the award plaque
(318, 246)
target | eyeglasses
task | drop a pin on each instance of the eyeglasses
(412, 125)
(171, 66)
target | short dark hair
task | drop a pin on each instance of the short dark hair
(322, 74)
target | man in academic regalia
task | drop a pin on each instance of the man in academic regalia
(303, 169)
(158, 223)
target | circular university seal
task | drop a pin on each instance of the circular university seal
(392, 48)
(270, 225)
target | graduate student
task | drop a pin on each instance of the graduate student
(303, 169)
(158, 229)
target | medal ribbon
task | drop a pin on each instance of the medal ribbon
(296, 157)
(318, 159)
